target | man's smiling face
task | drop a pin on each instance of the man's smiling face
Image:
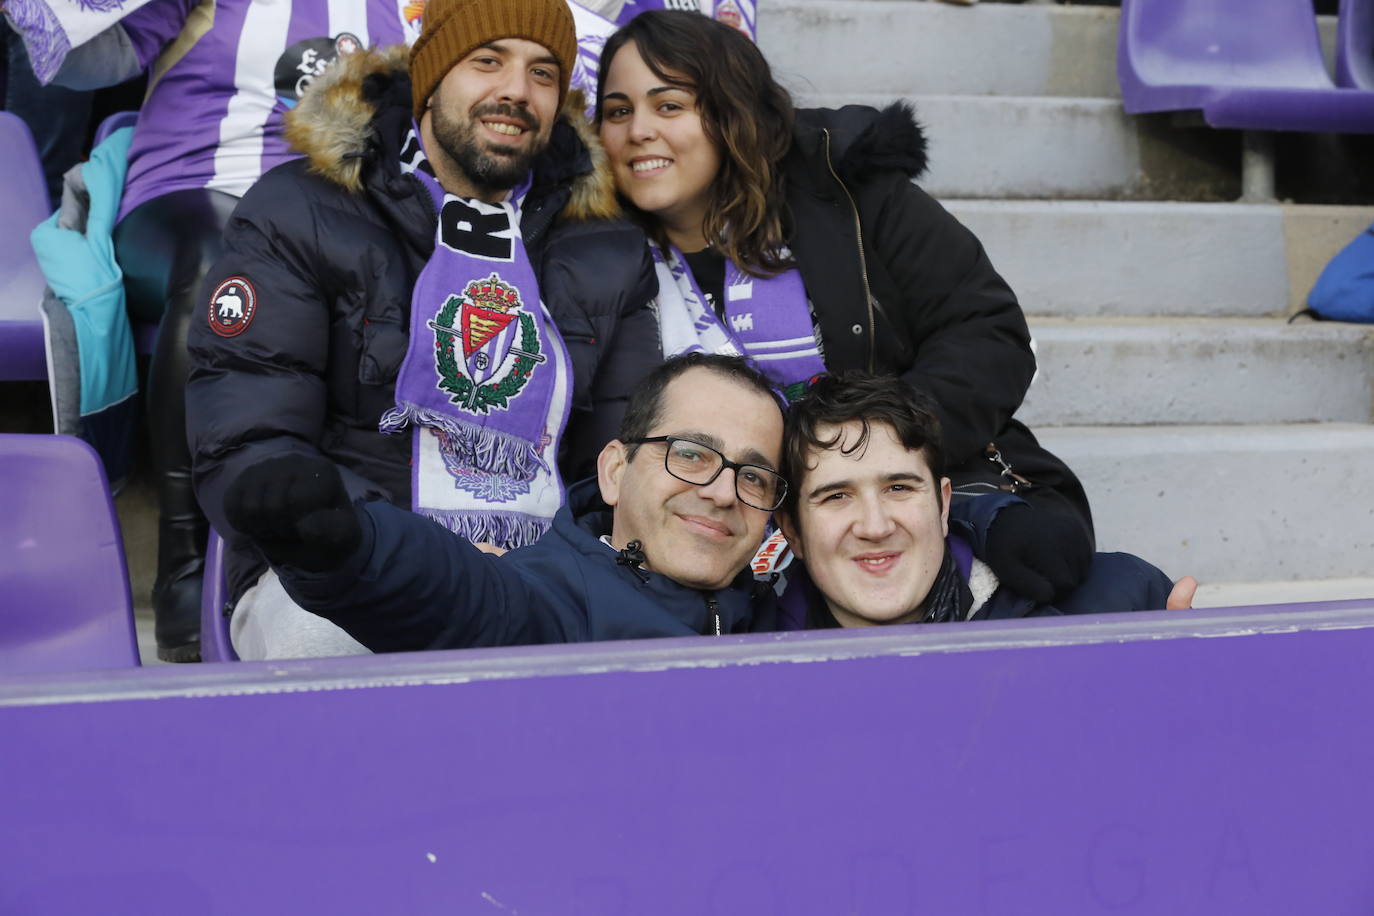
(701, 537)
(870, 525)
(493, 113)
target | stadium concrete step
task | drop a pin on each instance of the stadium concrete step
(1125, 259)
(1245, 594)
(913, 47)
(1017, 102)
(1050, 147)
(1137, 371)
(920, 47)
(1230, 504)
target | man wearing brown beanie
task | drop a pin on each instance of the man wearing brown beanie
(439, 298)
(487, 148)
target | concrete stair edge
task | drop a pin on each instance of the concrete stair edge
(1138, 371)
(1123, 258)
(1230, 504)
(853, 46)
(1249, 594)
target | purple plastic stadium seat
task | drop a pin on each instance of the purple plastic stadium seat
(24, 203)
(113, 123)
(214, 626)
(1246, 64)
(64, 588)
(1355, 45)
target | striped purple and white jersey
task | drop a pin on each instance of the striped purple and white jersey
(225, 72)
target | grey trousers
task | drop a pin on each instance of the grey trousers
(266, 623)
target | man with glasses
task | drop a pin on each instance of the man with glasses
(658, 544)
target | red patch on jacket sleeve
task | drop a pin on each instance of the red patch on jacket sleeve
(232, 307)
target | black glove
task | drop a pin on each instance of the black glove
(296, 510)
(1038, 553)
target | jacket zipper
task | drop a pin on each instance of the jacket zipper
(859, 232)
(632, 558)
(1018, 483)
(425, 200)
(713, 627)
(536, 230)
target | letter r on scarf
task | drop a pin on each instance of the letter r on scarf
(467, 229)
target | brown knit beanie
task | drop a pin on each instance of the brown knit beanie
(453, 28)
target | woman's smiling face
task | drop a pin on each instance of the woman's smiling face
(662, 159)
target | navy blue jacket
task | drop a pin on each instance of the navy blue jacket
(1115, 581)
(412, 584)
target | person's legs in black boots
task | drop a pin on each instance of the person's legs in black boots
(165, 246)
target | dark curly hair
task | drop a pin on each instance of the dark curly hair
(845, 397)
(646, 403)
(744, 112)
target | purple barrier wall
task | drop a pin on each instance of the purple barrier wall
(1117, 764)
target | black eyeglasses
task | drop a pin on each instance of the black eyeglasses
(699, 464)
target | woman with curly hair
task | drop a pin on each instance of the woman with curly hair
(797, 238)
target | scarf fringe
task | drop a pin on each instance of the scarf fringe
(469, 445)
(504, 529)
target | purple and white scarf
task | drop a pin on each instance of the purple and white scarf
(597, 20)
(51, 28)
(767, 320)
(485, 386)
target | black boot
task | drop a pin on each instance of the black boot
(165, 246)
(182, 528)
(182, 531)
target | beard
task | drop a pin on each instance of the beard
(489, 167)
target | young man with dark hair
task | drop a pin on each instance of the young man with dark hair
(657, 545)
(868, 512)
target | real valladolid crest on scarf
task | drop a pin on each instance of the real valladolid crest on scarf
(485, 383)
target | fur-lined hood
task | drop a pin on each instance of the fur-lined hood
(336, 126)
(864, 140)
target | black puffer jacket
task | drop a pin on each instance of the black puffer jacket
(332, 245)
(900, 286)
(412, 585)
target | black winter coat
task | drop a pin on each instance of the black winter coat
(333, 243)
(900, 286)
(412, 584)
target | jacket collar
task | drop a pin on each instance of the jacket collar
(585, 518)
(860, 140)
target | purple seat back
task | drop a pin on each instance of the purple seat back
(113, 123)
(214, 626)
(24, 203)
(1249, 64)
(64, 587)
(1355, 45)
